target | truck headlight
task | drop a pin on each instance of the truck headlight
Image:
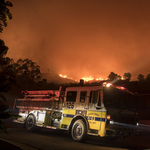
(111, 122)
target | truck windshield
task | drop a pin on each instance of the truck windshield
(116, 98)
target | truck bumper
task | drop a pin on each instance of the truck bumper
(121, 130)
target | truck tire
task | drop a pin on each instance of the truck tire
(30, 123)
(79, 131)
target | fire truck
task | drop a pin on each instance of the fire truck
(104, 111)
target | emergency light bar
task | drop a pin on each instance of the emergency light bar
(105, 84)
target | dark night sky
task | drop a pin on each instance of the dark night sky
(81, 37)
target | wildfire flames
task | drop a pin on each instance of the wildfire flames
(64, 76)
(86, 79)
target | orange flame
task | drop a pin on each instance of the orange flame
(65, 76)
(86, 79)
(62, 76)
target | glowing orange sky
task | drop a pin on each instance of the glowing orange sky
(82, 37)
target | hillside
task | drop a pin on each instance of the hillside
(55, 78)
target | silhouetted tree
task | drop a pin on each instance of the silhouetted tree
(3, 49)
(5, 114)
(7, 80)
(5, 14)
(140, 77)
(127, 76)
(148, 78)
(112, 76)
(42, 84)
(119, 77)
(7, 75)
(27, 72)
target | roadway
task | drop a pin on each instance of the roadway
(48, 139)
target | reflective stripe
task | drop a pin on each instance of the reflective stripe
(88, 118)
(96, 119)
(67, 115)
(100, 119)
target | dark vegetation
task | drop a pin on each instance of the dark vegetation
(7, 74)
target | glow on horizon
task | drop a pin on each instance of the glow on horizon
(86, 79)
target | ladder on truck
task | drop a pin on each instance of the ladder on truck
(44, 99)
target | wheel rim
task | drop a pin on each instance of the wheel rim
(29, 123)
(77, 131)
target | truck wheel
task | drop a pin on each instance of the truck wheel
(79, 131)
(30, 123)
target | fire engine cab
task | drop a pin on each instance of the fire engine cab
(105, 111)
